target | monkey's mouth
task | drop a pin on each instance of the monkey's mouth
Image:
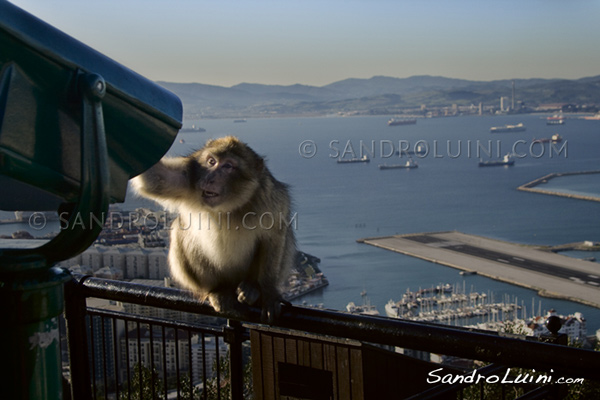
(208, 194)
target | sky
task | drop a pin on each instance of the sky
(284, 42)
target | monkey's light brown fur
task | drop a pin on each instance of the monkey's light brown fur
(232, 241)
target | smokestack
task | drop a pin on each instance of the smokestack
(513, 94)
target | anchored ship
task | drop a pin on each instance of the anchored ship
(353, 160)
(556, 138)
(403, 121)
(508, 128)
(506, 160)
(408, 165)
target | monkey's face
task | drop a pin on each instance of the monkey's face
(227, 180)
(217, 184)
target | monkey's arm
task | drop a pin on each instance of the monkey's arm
(166, 181)
(268, 271)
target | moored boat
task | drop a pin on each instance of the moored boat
(366, 308)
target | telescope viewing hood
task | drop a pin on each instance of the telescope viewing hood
(45, 103)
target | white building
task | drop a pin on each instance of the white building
(133, 262)
(204, 356)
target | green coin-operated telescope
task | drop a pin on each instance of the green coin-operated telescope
(75, 126)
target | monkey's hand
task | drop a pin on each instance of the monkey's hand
(248, 293)
(271, 309)
(222, 301)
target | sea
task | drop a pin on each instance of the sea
(336, 204)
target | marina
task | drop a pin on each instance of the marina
(550, 274)
(453, 306)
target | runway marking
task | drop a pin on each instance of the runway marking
(594, 276)
(593, 283)
(518, 258)
(502, 260)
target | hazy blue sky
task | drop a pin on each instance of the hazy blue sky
(318, 42)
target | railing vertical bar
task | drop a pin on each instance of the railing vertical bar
(75, 314)
(164, 350)
(116, 356)
(218, 359)
(104, 357)
(481, 391)
(189, 331)
(204, 379)
(336, 369)
(260, 352)
(351, 391)
(139, 359)
(127, 363)
(177, 375)
(152, 380)
(236, 365)
(93, 353)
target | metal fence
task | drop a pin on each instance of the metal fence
(119, 355)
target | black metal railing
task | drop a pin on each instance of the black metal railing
(98, 370)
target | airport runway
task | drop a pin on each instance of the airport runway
(550, 274)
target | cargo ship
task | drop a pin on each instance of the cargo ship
(506, 160)
(410, 164)
(353, 160)
(402, 121)
(555, 120)
(556, 138)
(194, 128)
(507, 128)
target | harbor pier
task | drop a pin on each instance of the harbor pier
(550, 274)
(533, 186)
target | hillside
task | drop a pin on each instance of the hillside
(376, 95)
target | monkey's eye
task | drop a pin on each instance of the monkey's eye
(228, 165)
(211, 161)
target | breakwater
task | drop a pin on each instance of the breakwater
(532, 186)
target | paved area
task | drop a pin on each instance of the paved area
(551, 274)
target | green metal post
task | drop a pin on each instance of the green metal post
(32, 300)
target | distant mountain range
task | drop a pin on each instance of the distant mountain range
(377, 95)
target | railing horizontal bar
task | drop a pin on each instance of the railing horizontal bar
(438, 339)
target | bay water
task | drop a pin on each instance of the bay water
(336, 204)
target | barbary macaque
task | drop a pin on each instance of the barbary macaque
(232, 240)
